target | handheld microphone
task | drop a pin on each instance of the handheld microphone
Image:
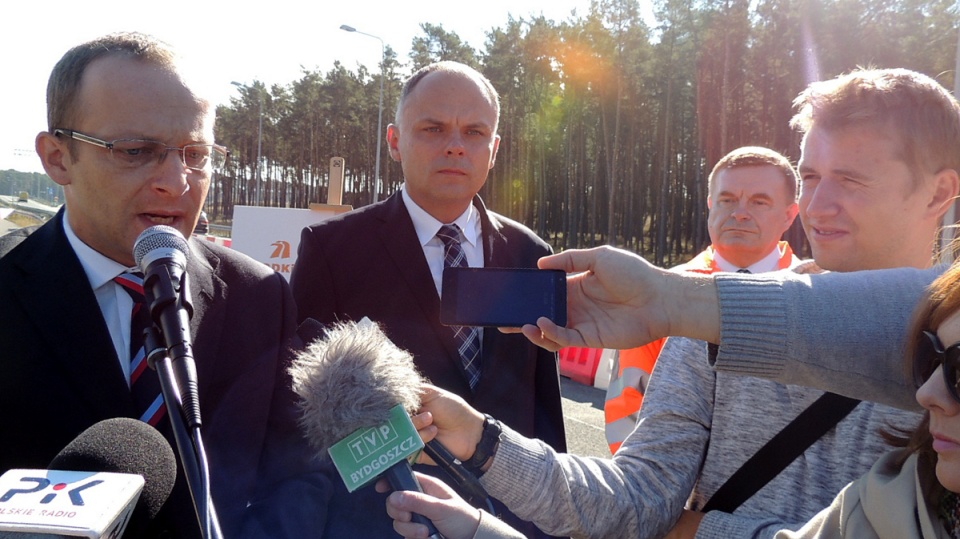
(356, 388)
(161, 253)
(100, 497)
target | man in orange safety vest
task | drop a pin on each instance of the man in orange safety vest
(752, 201)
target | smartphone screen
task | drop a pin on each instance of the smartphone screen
(502, 297)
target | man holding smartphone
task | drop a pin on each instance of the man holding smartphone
(385, 262)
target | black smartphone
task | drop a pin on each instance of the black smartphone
(502, 297)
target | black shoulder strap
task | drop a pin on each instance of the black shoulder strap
(780, 451)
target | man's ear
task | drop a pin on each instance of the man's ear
(54, 156)
(393, 141)
(792, 211)
(946, 186)
(493, 156)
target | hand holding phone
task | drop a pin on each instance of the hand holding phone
(502, 297)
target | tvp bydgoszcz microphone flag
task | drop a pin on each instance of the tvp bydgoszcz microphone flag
(364, 455)
(74, 504)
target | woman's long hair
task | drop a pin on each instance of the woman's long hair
(941, 301)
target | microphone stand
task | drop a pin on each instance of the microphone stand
(185, 423)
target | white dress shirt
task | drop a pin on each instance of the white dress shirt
(115, 303)
(427, 227)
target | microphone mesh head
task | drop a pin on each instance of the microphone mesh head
(124, 445)
(350, 379)
(158, 237)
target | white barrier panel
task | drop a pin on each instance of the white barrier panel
(605, 369)
(226, 242)
(272, 235)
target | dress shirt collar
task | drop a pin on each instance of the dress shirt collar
(427, 226)
(99, 269)
(770, 262)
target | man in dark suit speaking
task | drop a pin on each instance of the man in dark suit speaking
(385, 262)
(132, 144)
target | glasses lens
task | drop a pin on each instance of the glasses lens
(951, 375)
(927, 357)
(199, 156)
(218, 157)
(137, 153)
(196, 155)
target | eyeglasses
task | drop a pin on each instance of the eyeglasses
(930, 355)
(134, 153)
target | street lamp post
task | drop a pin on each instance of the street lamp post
(383, 75)
(256, 174)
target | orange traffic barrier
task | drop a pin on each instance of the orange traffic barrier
(580, 364)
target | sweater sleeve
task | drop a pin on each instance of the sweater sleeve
(839, 332)
(639, 493)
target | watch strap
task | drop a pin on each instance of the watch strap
(486, 447)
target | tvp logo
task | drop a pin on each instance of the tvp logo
(368, 441)
(362, 456)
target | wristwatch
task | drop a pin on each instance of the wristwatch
(486, 447)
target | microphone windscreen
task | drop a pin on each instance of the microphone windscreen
(350, 379)
(124, 445)
(158, 237)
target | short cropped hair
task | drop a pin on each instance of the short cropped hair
(450, 67)
(916, 109)
(64, 84)
(756, 156)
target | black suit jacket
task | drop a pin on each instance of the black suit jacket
(369, 262)
(59, 374)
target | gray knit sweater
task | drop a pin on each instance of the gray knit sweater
(840, 332)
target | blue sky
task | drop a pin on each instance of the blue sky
(243, 41)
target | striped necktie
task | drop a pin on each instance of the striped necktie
(144, 382)
(468, 338)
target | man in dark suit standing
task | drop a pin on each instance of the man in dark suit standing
(132, 144)
(385, 262)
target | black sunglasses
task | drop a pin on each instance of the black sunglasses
(930, 355)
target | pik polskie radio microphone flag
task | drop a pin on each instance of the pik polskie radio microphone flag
(113, 477)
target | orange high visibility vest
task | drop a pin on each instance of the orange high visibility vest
(633, 367)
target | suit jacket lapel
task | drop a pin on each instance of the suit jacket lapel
(494, 244)
(399, 240)
(205, 288)
(56, 295)
(494, 247)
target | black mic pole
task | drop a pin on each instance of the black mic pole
(465, 482)
(168, 298)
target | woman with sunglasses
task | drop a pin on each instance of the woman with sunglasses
(911, 492)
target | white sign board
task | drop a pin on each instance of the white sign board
(272, 235)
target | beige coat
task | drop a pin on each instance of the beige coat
(886, 503)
